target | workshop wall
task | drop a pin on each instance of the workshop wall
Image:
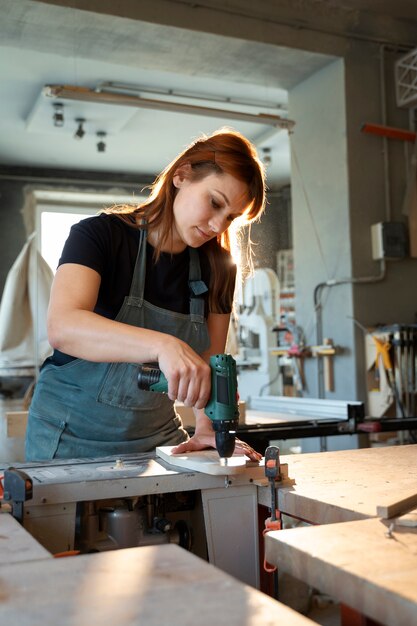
(320, 191)
(376, 191)
(274, 231)
(336, 199)
(12, 229)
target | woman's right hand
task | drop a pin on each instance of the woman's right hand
(188, 375)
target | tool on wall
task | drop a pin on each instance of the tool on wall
(222, 408)
(396, 353)
(326, 351)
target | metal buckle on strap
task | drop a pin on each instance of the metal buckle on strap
(198, 287)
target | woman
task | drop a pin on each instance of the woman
(147, 283)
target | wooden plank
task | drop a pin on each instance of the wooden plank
(357, 563)
(206, 461)
(16, 544)
(398, 505)
(150, 586)
(346, 485)
(16, 423)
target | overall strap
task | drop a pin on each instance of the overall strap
(137, 287)
(197, 287)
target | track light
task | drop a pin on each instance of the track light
(101, 146)
(84, 94)
(80, 132)
(58, 116)
(266, 156)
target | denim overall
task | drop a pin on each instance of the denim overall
(86, 409)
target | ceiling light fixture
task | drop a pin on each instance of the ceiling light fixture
(84, 94)
(101, 145)
(58, 117)
(80, 132)
(266, 156)
(138, 90)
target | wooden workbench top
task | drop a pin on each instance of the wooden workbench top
(355, 563)
(347, 485)
(16, 544)
(146, 586)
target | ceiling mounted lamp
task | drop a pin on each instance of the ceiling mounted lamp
(138, 90)
(266, 156)
(80, 132)
(58, 116)
(101, 145)
(84, 94)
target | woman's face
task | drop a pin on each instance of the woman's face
(205, 208)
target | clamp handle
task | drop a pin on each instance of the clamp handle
(272, 464)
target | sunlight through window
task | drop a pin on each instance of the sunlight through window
(55, 227)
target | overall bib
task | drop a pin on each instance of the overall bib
(86, 409)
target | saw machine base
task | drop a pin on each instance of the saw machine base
(95, 505)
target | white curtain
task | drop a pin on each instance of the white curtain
(23, 308)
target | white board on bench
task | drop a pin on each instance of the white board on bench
(206, 461)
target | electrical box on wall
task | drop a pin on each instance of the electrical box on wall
(389, 240)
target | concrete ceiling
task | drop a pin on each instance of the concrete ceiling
(42, 44)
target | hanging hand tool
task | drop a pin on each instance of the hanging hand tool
(383, 353)
(223, 406)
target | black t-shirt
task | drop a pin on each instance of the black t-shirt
(109, 246)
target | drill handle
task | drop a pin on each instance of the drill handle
(150, 378)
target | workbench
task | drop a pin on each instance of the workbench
(16, 544)
(345, 491)
(150, 585)
(347, 485)
(359, 563)
(353, 555)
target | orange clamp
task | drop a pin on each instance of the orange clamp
(383, 348)
(271, 524)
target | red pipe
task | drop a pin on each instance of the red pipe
(390, 132)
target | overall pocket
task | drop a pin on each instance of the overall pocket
(42, 437)
(119, 388)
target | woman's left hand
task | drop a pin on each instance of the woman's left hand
(203, 441)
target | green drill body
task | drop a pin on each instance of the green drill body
(222, 407)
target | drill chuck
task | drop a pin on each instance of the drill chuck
(225, 434)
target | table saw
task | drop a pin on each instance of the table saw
(99, 504)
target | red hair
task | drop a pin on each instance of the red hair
(223, 152)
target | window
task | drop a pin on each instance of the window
(57, 211)
(55, 225)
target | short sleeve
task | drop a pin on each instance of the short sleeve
(89, 244)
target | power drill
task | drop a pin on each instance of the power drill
(222, 408)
